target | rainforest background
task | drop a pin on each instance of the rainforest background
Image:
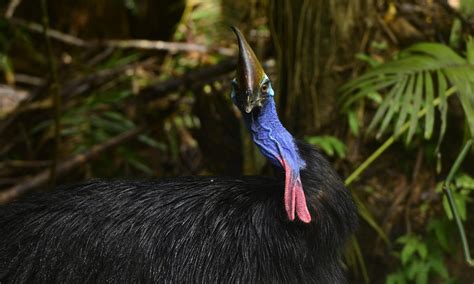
(141, 88)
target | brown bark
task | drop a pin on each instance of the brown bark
(313, 39)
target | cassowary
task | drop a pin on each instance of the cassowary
(287, 229)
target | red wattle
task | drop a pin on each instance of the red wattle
(295, 199)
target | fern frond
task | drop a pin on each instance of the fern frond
(421, 74)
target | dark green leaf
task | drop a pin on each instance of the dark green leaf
(441, 52)
(443, 106)
(353, 122)
(386, 104)
(406, 105)
(394, 105)
(429, 122)
(418, 92)
(437, 264)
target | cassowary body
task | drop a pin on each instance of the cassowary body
(186, 230)
(189, 230)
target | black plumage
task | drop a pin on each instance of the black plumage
(182, 230)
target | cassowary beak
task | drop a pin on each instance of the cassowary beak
(249, 76)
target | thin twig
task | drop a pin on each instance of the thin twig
(452, 204)
(67, 165)
(387, 30)
(29, 80)
(12, 8)
(87, 83)
(53, 34)
(195, 77)
(172, 47)
(24, 164)
(465, 21)
(54, 88)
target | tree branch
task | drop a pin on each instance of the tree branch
(192, 78)
(172, 47)
(53, 34)
(67, 165)
(11, 8)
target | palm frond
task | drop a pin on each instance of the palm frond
(421, 74)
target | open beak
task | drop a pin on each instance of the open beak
(249, 76)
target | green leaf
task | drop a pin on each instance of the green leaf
(139, 165)
(386, 104)
(465, 181)
(422, 250)
(375, 96)
(325, 146)
(441, 52)
(413, 70)
(459, 77)
(470, 50)
(367, 58)
(366, 89)
(447, 208)
(460, 202)
(119, 118)
(437, 265)
(416, 106)
(440, 229)
(152, 142)
(406, 105)
(396, 278)
(394, 104)
(329, 144)
(455, 33)
(422, 275)
(414, 269)
(443, 106)
(407, 252)
(340, 149)
(363, 82)
(429, 118)
(353, 122)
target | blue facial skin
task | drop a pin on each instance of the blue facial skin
(273, 140)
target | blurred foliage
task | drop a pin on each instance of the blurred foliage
(403, 90)
(329, 144)
(413, 81)
(462, 194)
(400, 60)
(418, 262)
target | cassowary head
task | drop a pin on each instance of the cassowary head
(251, 87)
(253, 95)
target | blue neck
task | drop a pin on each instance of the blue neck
(277, 144)
(273, 140)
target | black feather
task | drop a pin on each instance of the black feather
(181, 230)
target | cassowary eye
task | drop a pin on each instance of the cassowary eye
(264, 87)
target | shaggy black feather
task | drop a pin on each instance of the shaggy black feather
(181, 230)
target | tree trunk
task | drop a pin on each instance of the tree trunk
(313, 40)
